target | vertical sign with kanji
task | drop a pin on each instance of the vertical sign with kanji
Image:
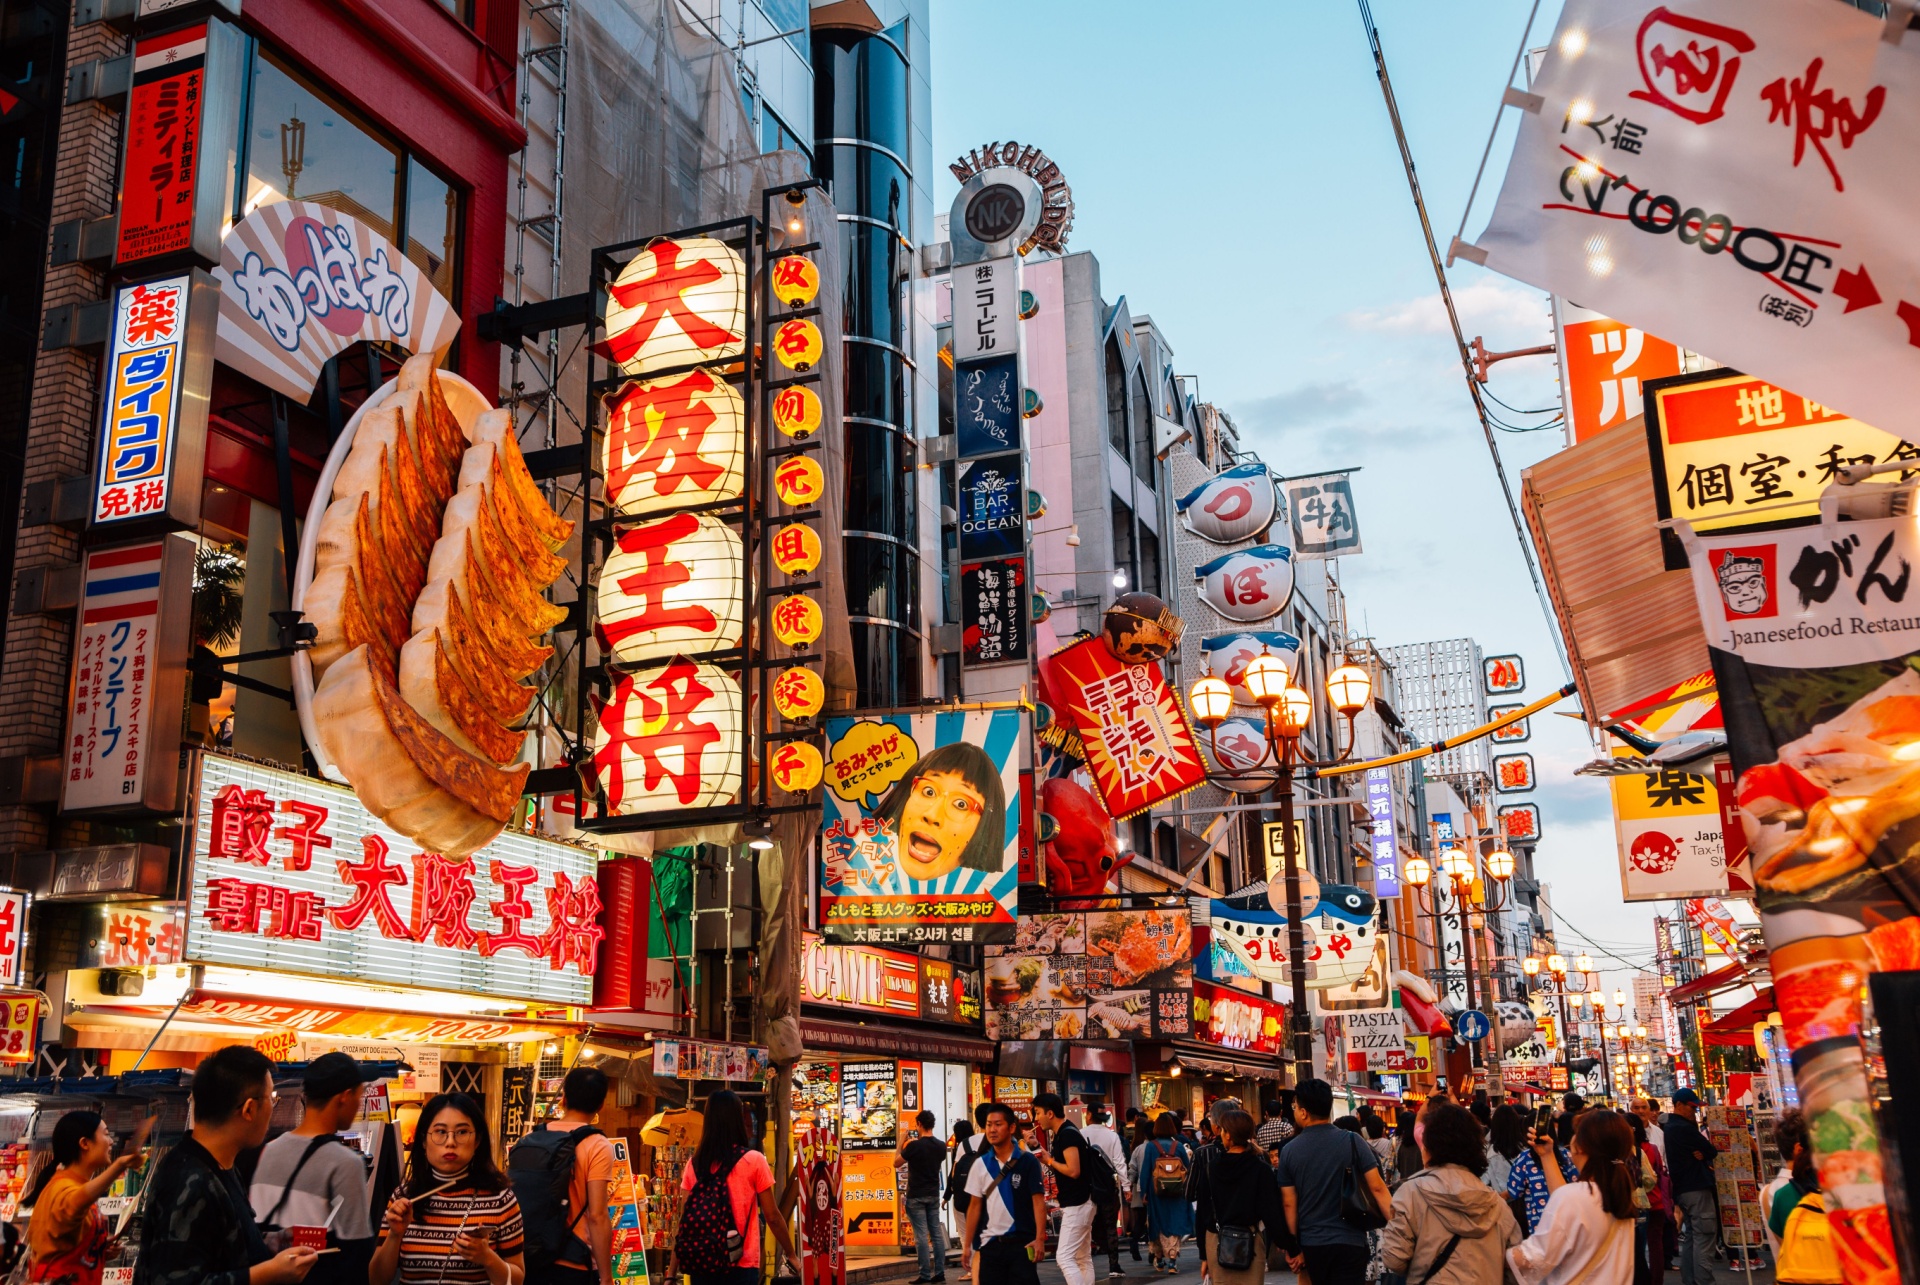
(156, 381)
(183, 109)
(129, 678)
(1386, 852)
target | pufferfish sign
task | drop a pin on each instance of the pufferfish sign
(921, 832)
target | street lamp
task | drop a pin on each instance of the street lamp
(1457, 897)
(1530, 966)
(1584, 964)
(1289, 710)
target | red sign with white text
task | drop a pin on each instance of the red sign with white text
(163, 144)
(1140, 750)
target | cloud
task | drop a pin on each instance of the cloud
(1306, 404)
(1487, 305)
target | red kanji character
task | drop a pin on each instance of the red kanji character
(242, 819)
(665, 704)
(790, 271)
(514, 909)
(443, 901)
(658, 429)
(794, 338)
(167, 943)
(115, 502)
(1245, 588)
(293, 916)
(574, 935)
(149, 497)
(658, 573)
(661, 296)
(1816, 114)
(233, 905)
(126, 941)
(151, 314)
(371, 879)
(304, 834)
(793, 614)
(790, 545)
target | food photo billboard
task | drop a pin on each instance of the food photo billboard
(1110, 975)
(921, 831)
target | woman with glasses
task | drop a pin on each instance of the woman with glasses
(456, 1222)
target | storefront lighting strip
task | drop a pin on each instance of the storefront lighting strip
(291, 988)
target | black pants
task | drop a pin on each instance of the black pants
(1334, 1264)
(1004, 1263)
(1106, 1233)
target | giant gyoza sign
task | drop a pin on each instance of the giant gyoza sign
(1729, 174)
(296, 875)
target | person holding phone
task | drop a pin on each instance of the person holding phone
(67, 1240)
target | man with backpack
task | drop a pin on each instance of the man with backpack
(1007, 1215)
(1070, 1158)
(304, 1174)
(560, 1174)
(1109, 1187)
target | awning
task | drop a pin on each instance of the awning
(1230, 1062)
(1720, 979)
(1630, 624)
(206, 1021)
(1741, 1020)
(895, 1040)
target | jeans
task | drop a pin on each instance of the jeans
(1336, 1264)
(1075, 1253)
(1699, 1233)
(732, 1276)
(929, 1237)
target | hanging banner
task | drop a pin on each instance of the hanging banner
(301, 283)
(986, 405)
(922, 826)
(993, 612)
(1666, 823)
(1813, 647)
(1321, 511)
(822, 1229)
(1140, 750)
(986, 304)
(993, 507)
(1112, 975)
(1718, 172)
(1386, 851)
(1605, 364)
(176, 159)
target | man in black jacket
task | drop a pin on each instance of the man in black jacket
(197, 1227)
(1690, 1165)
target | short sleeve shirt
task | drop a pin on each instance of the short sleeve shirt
(1073, 1191)
(1023, 1177)
(592, 1162)
(750, 1176)
(427, 1256)
(334, 1173)
(1526, 1181)
(924, 1156)
(1315, 1165)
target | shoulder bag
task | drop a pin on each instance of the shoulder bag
(1357, 1209)
(1234, 1247)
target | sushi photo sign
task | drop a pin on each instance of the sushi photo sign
(1110, 975)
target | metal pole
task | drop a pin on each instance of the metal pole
(1462, 898)
(1496, 1080)
(1296, 929)
(1566, 1033)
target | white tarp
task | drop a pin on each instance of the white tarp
(1736, 176)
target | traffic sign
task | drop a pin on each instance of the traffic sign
(1471, 1025)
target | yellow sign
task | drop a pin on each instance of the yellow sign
(796, 549)
(1276, 848)
(1728, 444)
(21, 1014)
(798, 693)
(795, 280)
(796, 342)
(797, 620)
(870, 759)
(796, 411)
(277, 1045)
(799, 482)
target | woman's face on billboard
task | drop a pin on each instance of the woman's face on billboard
(943, 810)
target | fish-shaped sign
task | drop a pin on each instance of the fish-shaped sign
(1339, 931)
(1248, 585)
(1228, 655)
(1234, 505)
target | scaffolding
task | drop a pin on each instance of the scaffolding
(1440, 694)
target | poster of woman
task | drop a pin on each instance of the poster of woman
(921, 837)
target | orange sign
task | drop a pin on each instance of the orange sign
(796, 411)
(797, 766)
(21, 1020)
(277, 1045)
(797, 344)
(795, 280)
(796, 549)
(1607, 363)
(799, 693)
(797, 620)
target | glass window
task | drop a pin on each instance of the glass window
(433, 225)
(1123, 543)
(1116, 399)
(1142, 431)
(300, 146)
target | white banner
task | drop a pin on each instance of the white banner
(1736, 176)
(1321, 512)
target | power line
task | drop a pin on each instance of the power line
(1459, 335)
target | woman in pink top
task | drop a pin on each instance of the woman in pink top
(724, 1149)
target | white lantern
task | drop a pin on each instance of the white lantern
(670, 738)
(674, 304)
(1249, 585)
(673, 443)
(1231, 506)
(672, 587)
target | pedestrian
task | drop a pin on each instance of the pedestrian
(1585, 1233)
(455, 1221)
(1162, 1175)
(1376, 1264)
(727, 1176)
(1238, 1213)
(1527, 1180)
(1789, 1134)
(197, 1228)
(1109, 1186)
(1651, 1199)
(923, 1155)
(1448, 1228)
(1141, 1139)
(1482, 1108)
(1315, 1170)
(1067, 1156)
(1007, 1217)
(962, 1154)
(1406, 1149)
(1383, 1147)
(1797, 1217)
(1649, 1111)
(1690, 1166)
(1275, 1129)
(1506, 1139)
(67, 1240)
(307, 1177)
(570, 1243)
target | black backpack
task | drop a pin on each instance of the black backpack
(708, 1241)
(957, 1179)
(1098, 1170)
(540, 1167)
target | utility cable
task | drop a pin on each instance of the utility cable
(1459, 335)
(1542, 410)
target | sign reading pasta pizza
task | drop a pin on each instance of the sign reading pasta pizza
(922, 826)
(1110, 975)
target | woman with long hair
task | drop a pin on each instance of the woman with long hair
(1169, 1216)
(726, 1156)
(1585, 1233)
(455, 1221)
(1653, 1199)
(1506, 1139)
(949, 813)
(1406, 1153)
(67, 1240)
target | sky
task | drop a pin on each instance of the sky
(1239, 182)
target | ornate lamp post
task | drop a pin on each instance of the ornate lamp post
(1456, 897)
(1288, 710)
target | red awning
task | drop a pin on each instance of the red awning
(1741, 1020)
(1719, 979)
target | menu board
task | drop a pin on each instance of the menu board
(1736, 1177)
(869, 1106)
(629, 1224)
(815, 1090)
(1112, 975)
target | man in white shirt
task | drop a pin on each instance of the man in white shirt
(1649, 1110)
(1106, 1215)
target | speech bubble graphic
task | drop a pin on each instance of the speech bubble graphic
(867, 762)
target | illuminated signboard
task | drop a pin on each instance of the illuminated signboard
(153, 407)
(294, 875)
(1235, 1019)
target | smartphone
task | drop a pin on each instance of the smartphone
(1544, 1123)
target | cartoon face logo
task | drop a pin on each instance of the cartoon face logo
(1688, 64)
(1745, 583)
(1654, 853)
